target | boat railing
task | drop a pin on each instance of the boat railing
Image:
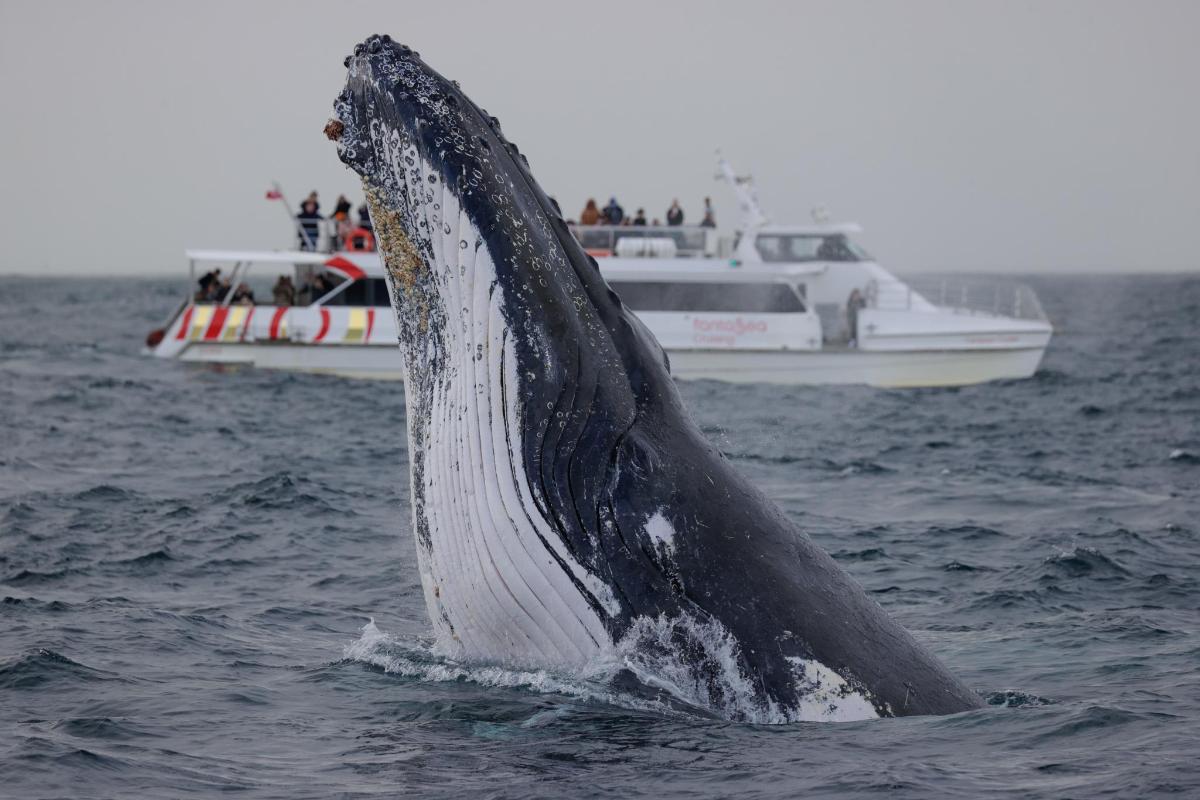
(960, 295)
(327, 234)
(691, 241)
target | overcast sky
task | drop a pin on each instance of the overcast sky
(1008, 136)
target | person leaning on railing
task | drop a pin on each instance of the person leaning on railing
(284, 291)
(675, 213)
(591, 213)
(309, 224)
(341, 223)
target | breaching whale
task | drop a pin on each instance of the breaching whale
(565, 505)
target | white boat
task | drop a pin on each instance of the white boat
(779, 304)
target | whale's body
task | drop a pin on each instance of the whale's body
(565, 506)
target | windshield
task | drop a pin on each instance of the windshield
(792, 247)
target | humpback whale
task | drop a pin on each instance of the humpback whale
(566, 508)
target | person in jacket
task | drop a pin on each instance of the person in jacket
(208, 283)
(242, 295)
(710, 217)
(675, 213)
(310, 225)
(591, 213)
(284, 291)
(640, 217)
(342, 224)
(613, 213)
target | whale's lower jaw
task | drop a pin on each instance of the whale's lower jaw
(499, 583)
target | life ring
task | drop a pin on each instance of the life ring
(360, 240)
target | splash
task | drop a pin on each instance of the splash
(680, 665)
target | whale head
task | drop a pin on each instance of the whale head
(565, 506)
(523, 372)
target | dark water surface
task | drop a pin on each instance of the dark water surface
(188, 559)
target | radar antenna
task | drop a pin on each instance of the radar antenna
(753, 217)
(747, 196)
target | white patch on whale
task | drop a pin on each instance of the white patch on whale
(651, 652)
(661, 532)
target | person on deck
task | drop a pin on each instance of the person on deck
(640, 217)
(242, 296)
(364, 217)
(342, 225)
(710, 217)
(854, 304)
(591, 213)
(675, 213)
(284, 292)
(206, 284)
(613, 213)
(310, 225)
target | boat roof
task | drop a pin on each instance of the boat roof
(352, 264)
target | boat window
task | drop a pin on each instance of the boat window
(743, 297)
(355, 294)
(808, 247)
(380, 292)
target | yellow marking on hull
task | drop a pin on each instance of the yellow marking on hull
(357, 326)
(200, 319)
(237, 315)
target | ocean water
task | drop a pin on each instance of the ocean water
(209, 582)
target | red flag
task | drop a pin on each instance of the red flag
(274, 194)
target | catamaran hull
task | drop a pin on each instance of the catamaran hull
(789, 368)
(921, 368)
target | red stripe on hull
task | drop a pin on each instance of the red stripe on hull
(218, 322)
(276, 319)
(370, 324)
(246, 324)
(324, 325)
(187, 321)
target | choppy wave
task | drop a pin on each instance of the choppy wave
(187, 557)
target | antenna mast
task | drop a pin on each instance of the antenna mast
(747, 196)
